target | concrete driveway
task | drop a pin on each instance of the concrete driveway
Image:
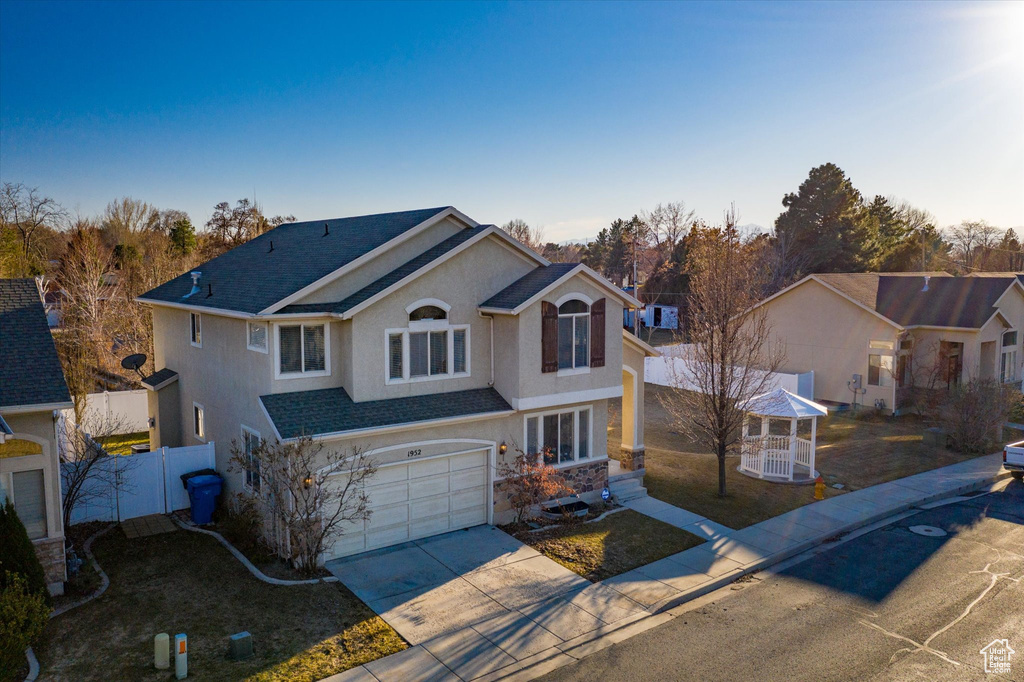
(449, 582)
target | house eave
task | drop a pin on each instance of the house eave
(391, 428)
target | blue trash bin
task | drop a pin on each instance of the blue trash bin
(203, 492)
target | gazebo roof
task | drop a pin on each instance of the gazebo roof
(782, 403)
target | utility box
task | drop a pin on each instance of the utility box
(240, 646)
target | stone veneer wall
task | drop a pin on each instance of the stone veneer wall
(631, 460)
(51, 556)
(587, 480)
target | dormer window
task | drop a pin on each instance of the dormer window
(430, 348)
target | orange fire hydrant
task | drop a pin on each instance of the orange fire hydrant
(819, 488)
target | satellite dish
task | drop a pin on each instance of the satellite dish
(135, 362)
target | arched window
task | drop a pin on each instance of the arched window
(428, 312)
(573, 334)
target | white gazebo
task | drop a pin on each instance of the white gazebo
(780, 458)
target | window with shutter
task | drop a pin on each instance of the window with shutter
(302, 349)
(549, 336)
(597, 332)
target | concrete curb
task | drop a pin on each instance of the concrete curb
(104, 580)
(661, 612)
(248, 564)
(33, 665)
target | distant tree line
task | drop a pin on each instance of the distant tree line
(94, 267)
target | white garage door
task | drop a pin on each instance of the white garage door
(419, 499)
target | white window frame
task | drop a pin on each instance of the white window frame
(1014, 356)
(12, 494)
(199, 422)
(266, 337)
(576, 460)
(886, 375)
(426, 326)
(246, 478)
(195, 323)
(583, 369)
(302, 373)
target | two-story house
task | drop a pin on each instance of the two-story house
(32, 393)
(438, 345)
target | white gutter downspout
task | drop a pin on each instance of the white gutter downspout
(491, 318)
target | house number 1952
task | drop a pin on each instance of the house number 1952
(415, 453)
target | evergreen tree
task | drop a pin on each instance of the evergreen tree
(17, 555)
(183, 236)
(824, 221)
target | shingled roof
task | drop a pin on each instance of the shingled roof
(30, 372)
(966, 302)
(332, 411)
(393, 277)
(251, 277)
(528, 286)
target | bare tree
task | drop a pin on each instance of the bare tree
(89, 475)
(528, 481)
(27, 211)
(668, 223)
(975, 411)
(732, 355)
(237, 225)
(126, 218)
(530, 237)
(310, 494)
(971, 239)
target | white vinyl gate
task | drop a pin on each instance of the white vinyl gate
(143, 484)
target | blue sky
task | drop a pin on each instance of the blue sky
(565, 115)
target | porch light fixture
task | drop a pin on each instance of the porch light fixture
(503, 448)
(307, 482)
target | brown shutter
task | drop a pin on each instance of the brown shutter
(548, 337)
(597, 334)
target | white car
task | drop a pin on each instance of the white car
(1013, 459)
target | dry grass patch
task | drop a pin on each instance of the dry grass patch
(187, 582)
(616, 544)
(855, 452)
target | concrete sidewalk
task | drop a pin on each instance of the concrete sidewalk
(662, 585)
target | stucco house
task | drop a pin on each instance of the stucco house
(870, 338)
(437, 344)
(32, 392)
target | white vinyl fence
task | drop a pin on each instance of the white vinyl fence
(143, 484)
(671, 370)
(127, 409)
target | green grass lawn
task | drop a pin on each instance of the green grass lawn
(121, 444)
(187, 582)
(854, 452)
(618, 543)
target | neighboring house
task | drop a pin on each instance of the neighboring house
(32, 392)
(422, 337)
(869, 338)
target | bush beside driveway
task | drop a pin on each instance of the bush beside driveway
(187, 582)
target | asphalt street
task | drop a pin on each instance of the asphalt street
(888, 605)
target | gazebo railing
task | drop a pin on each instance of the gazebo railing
(770, 455)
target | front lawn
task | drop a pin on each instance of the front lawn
(187, 582)
(618, 543)
(853, 452)
(121, 444)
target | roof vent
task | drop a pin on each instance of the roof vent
(195, 284)
(926, 278)
(271, 246)
(327, 229)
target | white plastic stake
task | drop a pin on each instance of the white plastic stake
(181, 656)
(162, 651)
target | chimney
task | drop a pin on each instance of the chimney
(926, 278)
